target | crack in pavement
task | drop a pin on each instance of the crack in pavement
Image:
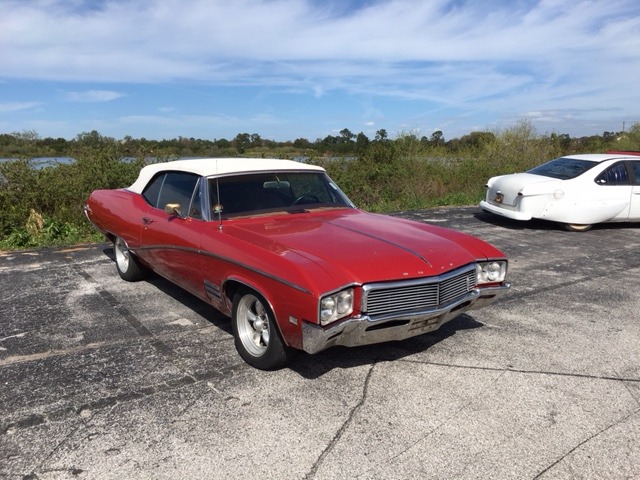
(57, 447)
(532, 372)
(503, 371)
(600, 432)
(585, 441)
(441, 424)
(336, 438)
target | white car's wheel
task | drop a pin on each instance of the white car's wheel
(256, 335)
(127, 264)
(576, 227)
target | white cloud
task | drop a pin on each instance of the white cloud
(229, 42)
(501, 57)
(93, 96)
(17, 106)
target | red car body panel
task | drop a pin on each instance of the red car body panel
(354, 246)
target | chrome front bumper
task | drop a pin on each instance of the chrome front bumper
(362, 330)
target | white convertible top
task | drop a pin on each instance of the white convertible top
(207, 167)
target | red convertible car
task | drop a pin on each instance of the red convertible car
(277, 246)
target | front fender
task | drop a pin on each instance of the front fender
(289, 305)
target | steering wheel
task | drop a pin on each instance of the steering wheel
(306, 198)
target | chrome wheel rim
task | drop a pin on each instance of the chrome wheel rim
(122, 254)
(253, 325)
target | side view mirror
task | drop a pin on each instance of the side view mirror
(173, 209)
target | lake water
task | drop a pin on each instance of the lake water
(43, 162)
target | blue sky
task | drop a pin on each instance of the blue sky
(286, 69)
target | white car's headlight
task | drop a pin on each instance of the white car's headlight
(336, 306)
(491, 272)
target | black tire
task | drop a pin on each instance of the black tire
(256, 335)
(576, 227)
(128, 265)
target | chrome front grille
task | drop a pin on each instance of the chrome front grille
(381, 299)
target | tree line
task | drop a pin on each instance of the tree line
(347, 143)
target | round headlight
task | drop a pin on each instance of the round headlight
(327, 308)
(558, 194)
(493, 271)
(345, 302)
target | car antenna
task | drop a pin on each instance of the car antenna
(217, 208)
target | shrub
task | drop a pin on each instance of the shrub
(56, 194)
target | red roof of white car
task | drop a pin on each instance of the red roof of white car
(207, 167)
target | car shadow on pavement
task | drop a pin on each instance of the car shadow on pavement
(510, 224)
(537, 224)
(315, 366)
(202, 308)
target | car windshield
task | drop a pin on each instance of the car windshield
(290, 192)
(563, 168)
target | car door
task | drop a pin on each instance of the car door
(171, 240)
(615, 190)
(634, 212)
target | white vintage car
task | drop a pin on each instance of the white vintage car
(576, 191)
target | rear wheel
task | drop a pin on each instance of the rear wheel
(128, 266)
(255, 333)
(577, 227)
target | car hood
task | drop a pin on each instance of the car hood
(525, 183)
(357, 247)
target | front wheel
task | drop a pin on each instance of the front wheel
(128, 266)
(255, 333)
(575, 227)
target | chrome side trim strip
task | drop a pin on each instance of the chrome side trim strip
(228, 260)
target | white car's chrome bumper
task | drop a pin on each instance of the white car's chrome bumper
(504, 212)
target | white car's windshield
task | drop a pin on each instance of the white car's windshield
(563, 168)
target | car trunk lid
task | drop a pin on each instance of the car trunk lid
(505, 189)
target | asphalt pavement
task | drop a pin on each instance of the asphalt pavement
(104, 379)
